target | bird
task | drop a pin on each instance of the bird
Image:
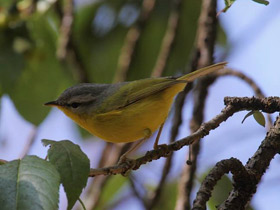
(127, 111)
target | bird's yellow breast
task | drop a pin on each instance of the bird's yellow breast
(133, 122)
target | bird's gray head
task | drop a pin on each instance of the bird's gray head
(80, 99)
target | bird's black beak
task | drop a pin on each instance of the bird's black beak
(52, 103)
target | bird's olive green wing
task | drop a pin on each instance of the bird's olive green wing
(143, 88)
(124, 94)
(132, 92)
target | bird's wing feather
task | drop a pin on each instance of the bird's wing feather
(145, 91)
(131, 92)
(134, 91)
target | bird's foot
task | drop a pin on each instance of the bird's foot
(128, 163)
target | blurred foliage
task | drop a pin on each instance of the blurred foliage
(32, 74)
(112, 188)
(168, 198)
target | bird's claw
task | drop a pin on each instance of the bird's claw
(128, 163)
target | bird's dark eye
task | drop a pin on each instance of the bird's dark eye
(75, 105)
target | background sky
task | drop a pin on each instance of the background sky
(253, 30)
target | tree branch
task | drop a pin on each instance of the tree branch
(109, 156)
(131, 40)
(268, 104)
(65, 29)
(167, 43)
(124, 63)
(233, 105)
(203, 56)
(233, 165)
(231, 72)
(257, 90)
(256, 167)
(132, 182)
(67, 49)
(168, 39)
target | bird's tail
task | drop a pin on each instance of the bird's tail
(202, 72)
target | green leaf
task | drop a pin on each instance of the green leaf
(259, 118)
(30, 72)
(2, 163)
(73, 166)
(112, 188)
(11, 64)
(101, 53)
(247, 115)
(262, 2)
(82, 204)
(31, 183)
(228, 4)
(168, 197)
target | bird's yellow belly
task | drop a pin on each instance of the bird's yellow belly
(136, 121)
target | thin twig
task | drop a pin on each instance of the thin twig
(120, 76)
(203, 56)
(177, 120)
(233, 104)
(136, 191)
(188, 173)
(67, 49)
(258, 92)
(168, 39)
(82, 204)
(79, 70)
(108, 157)
(167, 43)
(131, 40)
(65, 29)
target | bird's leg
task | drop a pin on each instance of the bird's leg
(156, 146)
(130, 162)
(147, 134)
(134, 146)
